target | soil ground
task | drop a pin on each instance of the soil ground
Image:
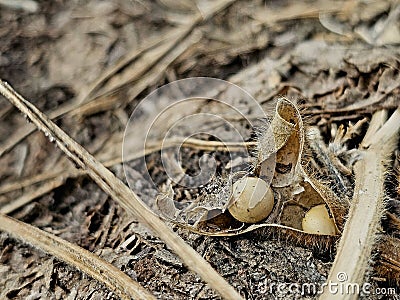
(89, 62)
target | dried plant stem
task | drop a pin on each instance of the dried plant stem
(154, 147)
(378, 119)
(28, 197)
(119, 192)
(150, 63)
(52, 180)
(204, 145)
(359, 234)
(89, 263)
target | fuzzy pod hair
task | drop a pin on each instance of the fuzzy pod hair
(281, 138)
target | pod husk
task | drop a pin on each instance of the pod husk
(278, 161)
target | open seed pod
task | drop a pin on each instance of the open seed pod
(277, 197)
(288, 132)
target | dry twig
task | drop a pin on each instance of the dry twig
(150, 63)
(54, 179)
(119, 192)
(89, 263)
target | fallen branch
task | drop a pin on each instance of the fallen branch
(119, 192)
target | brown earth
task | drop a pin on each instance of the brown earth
(88, 63)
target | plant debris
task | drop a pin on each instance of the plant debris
(278, 162)
(86, 64)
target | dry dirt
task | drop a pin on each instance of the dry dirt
(88, 63)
